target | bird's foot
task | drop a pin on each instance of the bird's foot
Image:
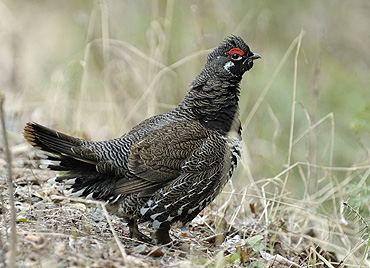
(136, 234)
(162, 236)
(141, 237)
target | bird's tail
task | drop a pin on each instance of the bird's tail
(75, 157)
(63, 149)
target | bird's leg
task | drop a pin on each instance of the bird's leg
(161, 235)
(136, 234)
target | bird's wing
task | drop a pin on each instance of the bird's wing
(161, 154)
(158, 158)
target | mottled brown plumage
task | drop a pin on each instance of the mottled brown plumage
(170, 166)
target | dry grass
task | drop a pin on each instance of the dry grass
(107, 69)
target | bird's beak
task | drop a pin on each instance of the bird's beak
(255, 56)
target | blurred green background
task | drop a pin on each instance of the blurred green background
(56, 70)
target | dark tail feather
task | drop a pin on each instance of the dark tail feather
(64, 151)
(49, 140)
(74, 156)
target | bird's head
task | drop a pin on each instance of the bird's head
(231, 59)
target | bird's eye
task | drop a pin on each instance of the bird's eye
(236, 53)
(236, 56)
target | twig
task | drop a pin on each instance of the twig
(312, 183)
(118, 242)
(13, 234)
(298, 47)
(106, 214)
(272, 80)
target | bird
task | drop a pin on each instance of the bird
(169, 167)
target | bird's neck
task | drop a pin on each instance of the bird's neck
(214, 104)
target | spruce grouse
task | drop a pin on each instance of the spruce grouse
(169, 167)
